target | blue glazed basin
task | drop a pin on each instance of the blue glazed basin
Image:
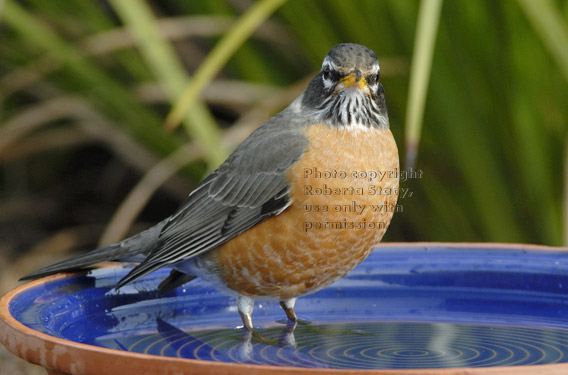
(408, 308)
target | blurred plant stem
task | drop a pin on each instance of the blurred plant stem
(424, 46)
(168, 69)
(548, 22)
(551, 26)
(213, 63)
(134, 118)
(565, 191)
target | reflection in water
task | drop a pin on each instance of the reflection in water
(371, 345)
(443, 336)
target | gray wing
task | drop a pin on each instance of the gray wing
(246, 189)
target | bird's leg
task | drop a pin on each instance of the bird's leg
(245, 305)
(288, 307)
(287, 337)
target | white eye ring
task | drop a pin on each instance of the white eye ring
(327, 82)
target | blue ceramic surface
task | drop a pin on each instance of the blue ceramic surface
(403, 307)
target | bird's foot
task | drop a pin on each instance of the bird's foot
(288, 307)
(245, 306)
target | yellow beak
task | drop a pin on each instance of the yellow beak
(352, 79)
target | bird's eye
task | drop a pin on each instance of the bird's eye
(373, 79)
(326, 72)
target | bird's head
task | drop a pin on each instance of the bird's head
(347, 90)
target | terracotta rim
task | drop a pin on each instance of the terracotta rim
(70, 357)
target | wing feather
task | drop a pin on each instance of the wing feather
(247, 188)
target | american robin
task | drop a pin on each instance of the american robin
(300, 203)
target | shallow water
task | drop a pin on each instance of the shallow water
(431, 307)
(380, 345)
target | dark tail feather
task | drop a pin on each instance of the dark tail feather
(104, 254)
(174, 280)
(137, 272)
(139, 245)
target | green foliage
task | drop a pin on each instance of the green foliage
(493, 132)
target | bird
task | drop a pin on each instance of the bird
(296, 206)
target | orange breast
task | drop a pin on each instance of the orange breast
(344, 192)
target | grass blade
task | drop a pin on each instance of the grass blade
(552, 29)
(111, 96)
(424, 43)
(219, 56)
(166, 66)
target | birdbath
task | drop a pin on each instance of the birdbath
(421, 308)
